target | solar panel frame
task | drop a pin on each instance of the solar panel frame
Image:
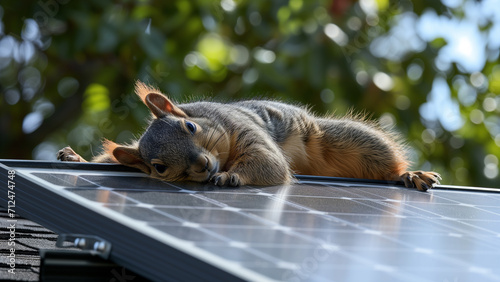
(179, 265)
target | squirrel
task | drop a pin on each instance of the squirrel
(257, 142)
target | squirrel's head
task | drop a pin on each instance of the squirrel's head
(175, 147)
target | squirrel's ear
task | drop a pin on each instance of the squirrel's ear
(161, 106)
(158, 104)
(130, 157)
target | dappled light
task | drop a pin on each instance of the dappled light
(428, 69)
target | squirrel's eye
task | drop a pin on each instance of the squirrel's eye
(191, 127)
(160, 168)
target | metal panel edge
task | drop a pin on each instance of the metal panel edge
(172, 264)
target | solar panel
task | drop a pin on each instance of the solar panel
(319, 229)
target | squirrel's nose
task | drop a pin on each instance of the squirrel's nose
(202, 163)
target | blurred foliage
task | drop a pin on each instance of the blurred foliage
(67, 70)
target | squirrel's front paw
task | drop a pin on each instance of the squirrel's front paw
(68, 155)
(226, 179)
(422, 180)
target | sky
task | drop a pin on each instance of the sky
(465, 45)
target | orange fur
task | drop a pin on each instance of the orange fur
(142, 90)
(328, 153)
(107, 153)
(109, 146)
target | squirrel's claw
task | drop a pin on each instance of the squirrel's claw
(226, 179)
(422, 180)
(68, 155)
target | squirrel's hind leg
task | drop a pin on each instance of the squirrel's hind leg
(67, 154)
(422, 180)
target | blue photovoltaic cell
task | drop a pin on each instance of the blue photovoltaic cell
(310, 231)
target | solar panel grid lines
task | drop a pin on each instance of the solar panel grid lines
(374, 232)
(281, 264)
(346, 197)
(382, 235)
(316, 230)
(462, 221)
(190, 224)
(422, 211)
(457, 235)
(125, 248)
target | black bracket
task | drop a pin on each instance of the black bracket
(92, 244)
(83, 258)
